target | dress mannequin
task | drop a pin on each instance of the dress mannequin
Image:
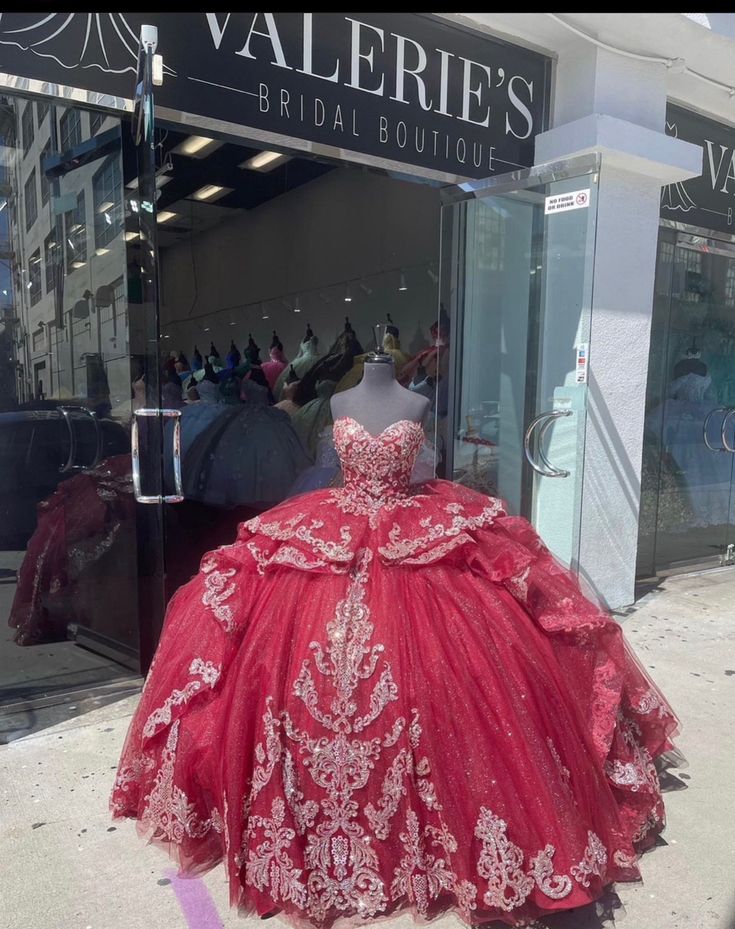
(391, 346)
(378, 400)
(277, 361)
(308, 355)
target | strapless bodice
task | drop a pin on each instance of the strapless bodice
(377, 466)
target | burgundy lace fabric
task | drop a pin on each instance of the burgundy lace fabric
(388, 697)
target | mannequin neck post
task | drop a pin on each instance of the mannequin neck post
(378, 373)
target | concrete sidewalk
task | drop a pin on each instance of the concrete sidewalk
(65, 866)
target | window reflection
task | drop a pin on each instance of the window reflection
(687, 512)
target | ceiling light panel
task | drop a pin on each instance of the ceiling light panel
(264, 161)
(197, 146)
(211, 192)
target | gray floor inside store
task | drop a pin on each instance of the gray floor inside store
(66, 866)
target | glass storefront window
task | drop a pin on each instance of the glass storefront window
(687, 492)
(276, 279)
(278, 273)
(517, 280)
(70, 534)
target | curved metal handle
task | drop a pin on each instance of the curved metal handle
(98, 441)
(547, 419)
(177, 497)
(712, 448)
(66, 412)
(69, 466)
(727, 446)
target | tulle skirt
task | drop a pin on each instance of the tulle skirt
(414, 709)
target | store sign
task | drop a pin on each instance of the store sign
(708, 200)
(406, 87)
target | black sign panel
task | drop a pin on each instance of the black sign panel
(401, 86)
(709, 200)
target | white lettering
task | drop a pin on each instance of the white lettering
(285, 97)
(354, 124)
(714, 175)
(730, 174)
(217, 33)
(320, 114)
(263, 98)
(520, 106)
(356, 56)
(469, 91)
(715, 172)
(338, 119)
(383, 130)
(420, 147)
(402, 71)
(309, 51)
(444, 83)
(461, 147)
(401, 134)
(279, 59)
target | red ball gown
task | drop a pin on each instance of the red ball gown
(388, 697)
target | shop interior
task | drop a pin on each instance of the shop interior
(277, 270)
(277, 273)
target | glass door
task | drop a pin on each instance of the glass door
(80, 561)
(688, 493)
(517, 262)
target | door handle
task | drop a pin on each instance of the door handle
(726, 444)
(177, 497)
(719, 409)
(545, 420)
(98, 440)
(69, 466)
(66, 412)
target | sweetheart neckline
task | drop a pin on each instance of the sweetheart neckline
(380, 435)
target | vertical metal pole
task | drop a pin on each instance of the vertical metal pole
(150, 519)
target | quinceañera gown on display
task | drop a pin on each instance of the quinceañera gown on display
(386, 697)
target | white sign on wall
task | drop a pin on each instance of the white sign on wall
(574, 200)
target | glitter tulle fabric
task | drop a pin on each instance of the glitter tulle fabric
(389, 697)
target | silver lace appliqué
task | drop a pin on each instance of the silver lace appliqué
(205, 674)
